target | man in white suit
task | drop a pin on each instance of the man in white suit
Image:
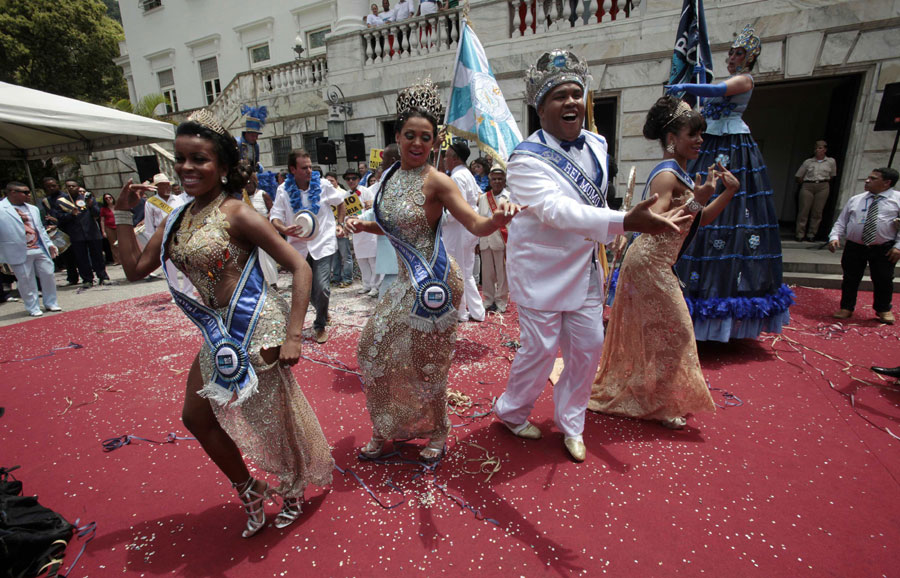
(26, 248)
(459, 241)
(559, 173)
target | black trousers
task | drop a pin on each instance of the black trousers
(320, 295)
(881, 271)
(67, 260)
(89, 256)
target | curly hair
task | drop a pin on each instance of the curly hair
(226, 152)
(663, 118)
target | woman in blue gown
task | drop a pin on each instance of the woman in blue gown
(732, 270)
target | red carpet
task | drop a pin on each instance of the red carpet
(795, 481)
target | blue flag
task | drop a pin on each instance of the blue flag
(691, 59)
(477, 108)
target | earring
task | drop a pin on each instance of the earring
(670, 148)
(223, 179)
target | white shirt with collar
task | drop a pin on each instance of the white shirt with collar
(325, 241)
(402, 10)
(852, 219)
(494, 241)
(550, 245)
(373, 20)
(154, 216)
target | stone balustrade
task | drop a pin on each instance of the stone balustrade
(530, 17)
(254, 85)
(398, 41)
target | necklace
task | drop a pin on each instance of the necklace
(191, 222)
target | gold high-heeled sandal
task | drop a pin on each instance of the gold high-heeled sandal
(253, 505)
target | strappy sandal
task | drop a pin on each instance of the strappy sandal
(674, 422)
(291, 509)
(253, 505)
(434, 451)
(374, 448)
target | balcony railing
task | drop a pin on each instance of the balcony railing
(292, 76)
(536, 16)
(413, 37)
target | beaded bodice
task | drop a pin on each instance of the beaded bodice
(202, 249)
(402, 213)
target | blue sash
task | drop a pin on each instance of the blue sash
(590, 192)
(227, 339)
(433, 308)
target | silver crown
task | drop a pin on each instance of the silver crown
(205, 118)
(552, 69)
(424, 95)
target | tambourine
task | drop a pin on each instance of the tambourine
(306, 220)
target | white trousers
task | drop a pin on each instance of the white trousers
(370, 278)
(541, 334)
(37, 265)
(493, 278)
(470, 304)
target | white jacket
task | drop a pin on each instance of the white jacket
(548, 254)
(13, 250)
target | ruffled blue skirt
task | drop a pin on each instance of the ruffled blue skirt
(731, 271)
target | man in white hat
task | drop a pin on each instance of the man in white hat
(560, 174)
(157, 208)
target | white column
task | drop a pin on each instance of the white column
(350, 14)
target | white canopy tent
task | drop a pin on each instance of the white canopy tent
(35, 124)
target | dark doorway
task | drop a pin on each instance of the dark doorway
(786, 118)
(388, 132)
(147, 167)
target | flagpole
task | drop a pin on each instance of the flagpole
(463, 26)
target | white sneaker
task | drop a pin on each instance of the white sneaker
(36, 313)
(373, 292)
(56, 309)
(362, 291)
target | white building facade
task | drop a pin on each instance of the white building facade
(821, 74)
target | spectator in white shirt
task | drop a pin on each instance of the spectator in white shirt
(318, 248)
(870, 221)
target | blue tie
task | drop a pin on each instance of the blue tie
(577, 143)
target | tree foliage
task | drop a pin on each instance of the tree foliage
(64, 47)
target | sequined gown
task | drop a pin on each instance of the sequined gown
(732, 270)
(275, 427)
(405, 370)
(650, 368)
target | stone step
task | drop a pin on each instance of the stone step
(814, 258)
(827, 280)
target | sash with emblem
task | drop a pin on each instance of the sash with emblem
(590, 192)
(227, 338)
(433, 308)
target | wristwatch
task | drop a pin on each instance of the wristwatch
(694, 206)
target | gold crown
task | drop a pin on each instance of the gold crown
(205, 118)
(683, 109)
(424, 95)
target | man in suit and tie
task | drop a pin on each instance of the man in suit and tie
(560, 174)
(26, 248)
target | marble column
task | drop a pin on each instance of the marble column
(350, 15)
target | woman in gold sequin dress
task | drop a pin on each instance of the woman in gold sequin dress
(405, 361)
(650, 368)
(211, 241)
